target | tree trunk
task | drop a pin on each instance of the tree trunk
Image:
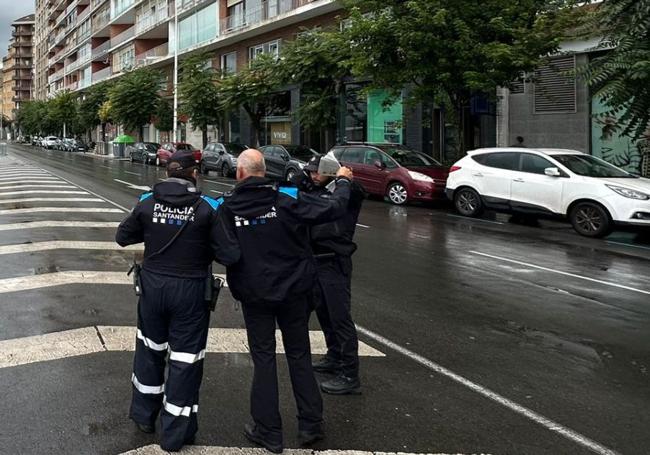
(104, 132)
(204, 131)
(141, 133)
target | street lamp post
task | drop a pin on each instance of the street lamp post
(175, 131)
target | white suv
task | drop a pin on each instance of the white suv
(593, 194)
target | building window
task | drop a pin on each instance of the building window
(229, 63)
(236, 15)
(199, 27)
(124, 60)
(272, 47)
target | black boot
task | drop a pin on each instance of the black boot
(307, 438)
(251, 433)
(342, 385)
(145, 428)
(327, 365)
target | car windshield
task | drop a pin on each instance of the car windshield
(300, 152)
(184, 147)
(234, 149)
(409, 158)
(590, 166)
(151, 147)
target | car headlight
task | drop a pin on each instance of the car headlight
(420, 177)
(302, 165)
(626, 192)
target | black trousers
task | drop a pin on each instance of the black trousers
(292, 318)
(172, 320)
(333, 309)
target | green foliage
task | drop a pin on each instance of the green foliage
(448, 51)
(622, 76)
(164, 119)
(134, 98)
(317, 60)
(253, 89)
(31, 117)
(90, 104)
(63, 110)
(199, 93)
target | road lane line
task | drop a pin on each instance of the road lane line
(133, 173)
(65, 245)
(58, 210)
(522, 410)
(559, 272)
(18, 193)
(52, 199)
(363, 226)
(220, 183)
(628, 245)
(18, 187)
(155, 449)
(27, 181)
(58, 224)
(84, 341)
(93, 193)
(474, 219)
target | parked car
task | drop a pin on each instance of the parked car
(51, 142)
(221, 157)
(65, 144)
(144, 152)
(166, 150)
(36, 140)
(283, 162)
(75, 145)
(394, 171)
(592, 194)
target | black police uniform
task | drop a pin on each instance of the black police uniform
(172, 314)
(274, 280)
(333, 246)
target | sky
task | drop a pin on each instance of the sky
(10, 10)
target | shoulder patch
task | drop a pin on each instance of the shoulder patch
(289, 191)
(214, 203)
(146, 196)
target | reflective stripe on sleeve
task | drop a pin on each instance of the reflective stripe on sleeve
(186, 357)
(151, 344)
(178, 410)
(146, 389)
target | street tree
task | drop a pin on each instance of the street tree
(317, 61)
(89, 107)
(621, 77)
(63, 113)
(134, 98)
(254, 89)
(199, 93)
(30, 117)
(164, 118)
(448, 51)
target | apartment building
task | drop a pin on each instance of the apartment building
(17, 67)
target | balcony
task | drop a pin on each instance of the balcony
(152, 55)
(123, 37)
(186, 5)
(95, 3)
(268, 10)
(149, 21)
(72, 86)
(100, 20)
(102, 74)
(100, 51)
(84, 14)
(123, 9)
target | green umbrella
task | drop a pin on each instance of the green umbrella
(123, 139)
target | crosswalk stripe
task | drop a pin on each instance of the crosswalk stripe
(39, 185)
(58, 224)
(23, 175)
(46, 280)
(18, 193)
(51, 199)
(59, 210)
(35, 180)
(216, 450)
(88, 340)
(65, 245)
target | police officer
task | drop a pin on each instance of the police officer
(274, 280)
(181, 236)
(333, 246)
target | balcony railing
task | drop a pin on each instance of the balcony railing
(102, 74)
(72, 85)
(152, 54)
(146, 22)
(122, 37)
(55, 77)
(84, 14)
(185, 5)
(268, 10)
(101, 50)
(100, 20)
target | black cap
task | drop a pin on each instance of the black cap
(312, 165)
(185, 158)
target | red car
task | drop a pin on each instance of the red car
(394, 171)
(166, 150)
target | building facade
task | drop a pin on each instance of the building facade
(17, 67)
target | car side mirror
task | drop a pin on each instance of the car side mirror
(380, 165)
(285, 157)
(552, 172)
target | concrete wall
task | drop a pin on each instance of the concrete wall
(561, 130)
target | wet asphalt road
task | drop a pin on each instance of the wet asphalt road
(555, 323)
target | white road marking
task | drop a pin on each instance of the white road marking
(40, 185)
(28, 181)
(65, 245)
(133, 186)
(474, 219)
(155, 449)
(629, 245)
(18, 193)
(88, 340)
(58, 224)
(59, 210)
(133, 173)
(220, 183)
(46, 280)
(487, 393)
(24, 177)
(559, 272)
(363, 226)
(93, 193)
(52, 199)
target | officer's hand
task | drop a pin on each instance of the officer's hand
(345, 172)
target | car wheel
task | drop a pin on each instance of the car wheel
(468, 202)
(591, 220)
(291, 173)
(397, 193)
(225, 170)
